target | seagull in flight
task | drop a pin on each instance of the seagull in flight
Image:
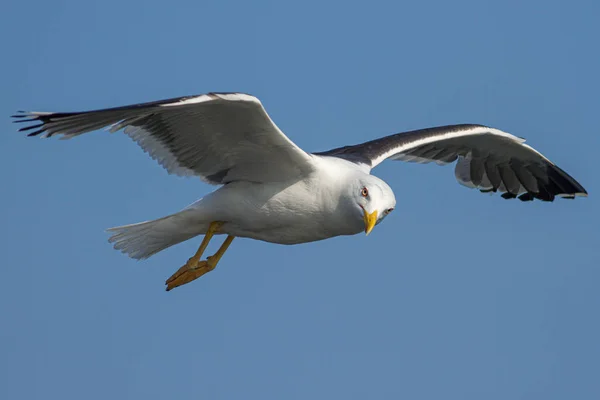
(272, 190)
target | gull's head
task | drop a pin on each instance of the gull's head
(374, 200)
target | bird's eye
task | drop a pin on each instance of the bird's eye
(389, 210)
(364, 192)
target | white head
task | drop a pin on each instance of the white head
(371, 200)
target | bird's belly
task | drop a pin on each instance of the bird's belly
(280, 217)
(290, 234)
(288, 228)
(287, 224)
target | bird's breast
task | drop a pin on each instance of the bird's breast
(283, 213)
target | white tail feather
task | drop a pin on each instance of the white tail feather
(145, 239)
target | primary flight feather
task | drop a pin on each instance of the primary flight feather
(272, 190)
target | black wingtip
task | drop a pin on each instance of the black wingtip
(19, 121)
(35, 133)
(26, 117)
(526, 196)
(28, 128)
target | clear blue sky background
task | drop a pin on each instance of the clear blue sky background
(458, 295)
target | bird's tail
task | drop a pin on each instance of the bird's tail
(145, 239)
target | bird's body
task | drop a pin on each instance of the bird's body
(271, 190)
(270, 211)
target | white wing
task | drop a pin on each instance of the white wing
(488, 159)
(220, 137)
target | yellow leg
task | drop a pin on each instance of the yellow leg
(195, 259)
(214, 259)
(186, 274)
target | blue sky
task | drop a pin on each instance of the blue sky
(456, 295)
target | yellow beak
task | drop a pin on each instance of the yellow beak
(370, 220)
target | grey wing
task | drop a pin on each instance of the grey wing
(488, 159)
(220, 137)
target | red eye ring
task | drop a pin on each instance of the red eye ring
(364, 192)
(389, 210)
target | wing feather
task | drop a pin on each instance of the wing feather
(477, 169)
(488, 159)
(511, 183)
(220, 137)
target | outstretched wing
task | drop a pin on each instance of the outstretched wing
(488, 159)
(220, 137)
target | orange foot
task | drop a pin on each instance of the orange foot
(188, 273)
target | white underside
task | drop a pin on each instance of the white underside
(289, 212)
